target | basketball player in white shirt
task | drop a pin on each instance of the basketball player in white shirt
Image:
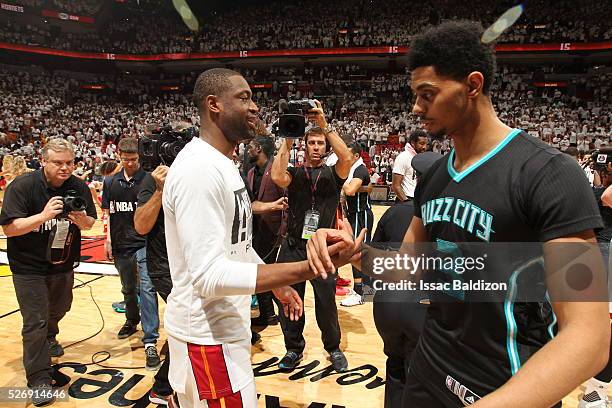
(213, 266)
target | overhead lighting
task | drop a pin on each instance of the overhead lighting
(504, 22)
(186, 14)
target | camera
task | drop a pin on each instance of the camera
(72, 202)
(601, 158)
(163, 145)
(291, 124)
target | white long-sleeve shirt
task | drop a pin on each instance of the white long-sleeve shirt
(208, 222)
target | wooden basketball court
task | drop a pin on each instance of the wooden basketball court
(121, 380)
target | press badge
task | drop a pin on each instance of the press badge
(311, 223)
(61, 233)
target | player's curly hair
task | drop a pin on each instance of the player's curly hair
(454, 49)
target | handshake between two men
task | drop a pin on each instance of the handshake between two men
(327, 250)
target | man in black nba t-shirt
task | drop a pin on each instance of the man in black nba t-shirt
(497, 185)
(127, 248)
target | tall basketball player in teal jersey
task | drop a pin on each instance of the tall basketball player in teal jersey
(498, 185)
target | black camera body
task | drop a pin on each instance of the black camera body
(162, 146)
(292, 121)
(601, 158)
(72, 202)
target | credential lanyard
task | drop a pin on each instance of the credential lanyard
(313, 188)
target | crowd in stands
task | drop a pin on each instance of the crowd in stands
(369, 106)
(312, 24)
(82, 7)
(31, 3)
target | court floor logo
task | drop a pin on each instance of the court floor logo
(101, 382)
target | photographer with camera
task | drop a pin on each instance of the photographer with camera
(127, 248)
(314, 195)
(43, 214)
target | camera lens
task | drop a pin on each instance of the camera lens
(292, 126)
(79, 204)
(148, 148)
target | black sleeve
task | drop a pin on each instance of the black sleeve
(418, 191)
(147, 188)
(106, 186)
(559, 199)
(385, 231)
(292, 171)
(15, 202)
(90, 207)
(379, 234)
(339, 181)
(361, 172)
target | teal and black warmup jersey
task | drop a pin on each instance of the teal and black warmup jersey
(521, 191)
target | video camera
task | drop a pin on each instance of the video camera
(163, 145)
(601, 158)
(72, 202)
(291, 123)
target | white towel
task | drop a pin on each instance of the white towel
(352, 171)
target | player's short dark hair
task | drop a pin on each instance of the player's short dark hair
(414, 136)
(454, 49)
(266, 144)
(213, 81)
(128, 145)
(355, 148)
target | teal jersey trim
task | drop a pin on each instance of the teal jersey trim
(511, 328)
(554, 321)
(460, 176)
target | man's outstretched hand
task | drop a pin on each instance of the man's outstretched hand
(329, 249)
(291, 301)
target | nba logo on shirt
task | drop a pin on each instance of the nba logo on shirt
(241, 226)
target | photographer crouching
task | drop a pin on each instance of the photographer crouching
(43, 214)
